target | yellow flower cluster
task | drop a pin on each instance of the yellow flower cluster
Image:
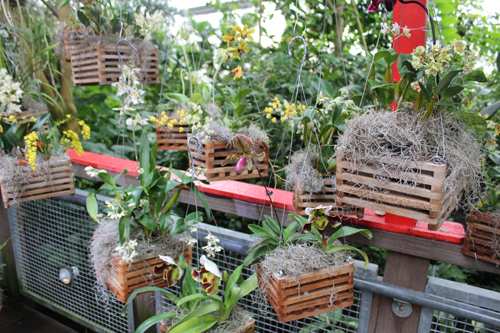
(233, 36)
(31, 147)
(85, 130)
(71, 138)
(161, 121)
(285, 111)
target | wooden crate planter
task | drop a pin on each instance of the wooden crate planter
(311, 296)
(99, 64)
(172, 139)
(72, 39)
(423, 200)
(27, 114)
(249, 327)
(302, 200)
(41, 184)
(212, 153)
(483, 237)
(124, 278)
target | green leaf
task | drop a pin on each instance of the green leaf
(239, 97)
(179, 97)
(290, 231)
(382, 54)
(348, 231)
(273, 224)
(153, 321)
(477, 75)
(179, 226)
(124, 228)
(301, 219)
(189, 298)
(83, 18)
(165, 220)
(148, 222)
(144, 157)
(92, 207)
(240, 109)
(452, 91)
(168, 294)
(234, 277)
(257, 252)
(190, 324)
(491, 110)
(347, 247)
(476, 123)
(445, 82)
(260, 232)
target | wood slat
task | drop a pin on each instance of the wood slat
(54, 181)
(172, 139)
(213, 152)
(422, 198)
(302, 200)
(315, 292)
(482, 237)
(123, 278)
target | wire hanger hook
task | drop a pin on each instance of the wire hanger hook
(289, 53)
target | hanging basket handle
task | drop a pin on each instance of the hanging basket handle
(289, 53)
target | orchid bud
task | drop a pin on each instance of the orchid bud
(241, 165)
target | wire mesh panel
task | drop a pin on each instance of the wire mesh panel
(441, 322)
(54, 232)
(345, 320)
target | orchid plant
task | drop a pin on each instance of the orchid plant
(317, 125)
(200, 308)
(309, 230)
(146, 207)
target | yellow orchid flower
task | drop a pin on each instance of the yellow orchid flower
(240, 49)
(244, 33)
(238, 72)
(229, 38)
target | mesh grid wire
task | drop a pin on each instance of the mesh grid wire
(266, 320)
(447, 323)
(56, 232)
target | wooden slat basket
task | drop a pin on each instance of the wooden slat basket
(72, 39)
(124, 278)
(422, 199)
(49, 182)
(172, 139)
(99, 64)
(27, 114)
(483, 237)
(312, 295)
(212, 154)
(249, 327)
(303, 200)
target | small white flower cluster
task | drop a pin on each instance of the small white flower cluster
(194, 114)
(93, 172)
(10, 93)
(143, 203)
(438, 58)
(137, 120)
(395, 29)
(198, 171)
(203, 130)
(116, 210)
(127, 250)
(212, 245)
(149, 23)
(129, 85)
(189, 240)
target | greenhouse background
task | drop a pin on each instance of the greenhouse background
(250, 166)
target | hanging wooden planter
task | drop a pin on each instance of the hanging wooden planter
(99, 64)
(25, 116)
(482, 240)
(249, 327)
(212, 153)
(303, 200)
(72, 39)
(172, 139)
(55, 180)
(312, 294)
(423, 199)
(123, 278)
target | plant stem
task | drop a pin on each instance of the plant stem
(268, 193)
(135, 147)
(189, 71)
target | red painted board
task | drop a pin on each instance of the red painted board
(413, 17)
(455, 231)
(228, 188)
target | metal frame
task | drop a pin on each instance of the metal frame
(470, 297)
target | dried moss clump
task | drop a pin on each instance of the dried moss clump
(103, 248)
(217, 131)
(374, 138)
(302, 170)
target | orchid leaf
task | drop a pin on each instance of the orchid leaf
(301, 219)
(290, 231)
(92, 207)
(166, 293)
(452, 91)
(477, 75)
(181, 326)
(445, 82)
(346, 231)
(490, 110)
(260, 232)
(476, 123)
(233, 279)
(273, 224)
(258, 252)
(153, 321)
(350, 248)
